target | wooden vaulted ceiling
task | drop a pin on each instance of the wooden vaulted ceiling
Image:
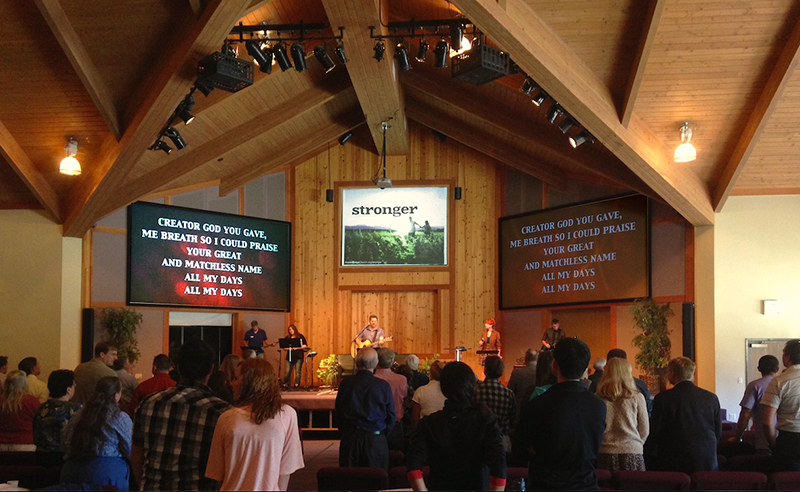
(631, 71)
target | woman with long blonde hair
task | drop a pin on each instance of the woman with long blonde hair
(256, 444)
(17, 410)
(627, 424)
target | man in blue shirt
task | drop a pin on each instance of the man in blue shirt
(371, 333)
(365, 412)
(255, 338)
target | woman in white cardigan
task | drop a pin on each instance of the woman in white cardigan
(627, 425)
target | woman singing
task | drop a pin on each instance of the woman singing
(490, 340)
(294, 357)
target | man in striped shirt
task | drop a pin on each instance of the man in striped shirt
(173, 428)
(782, 398)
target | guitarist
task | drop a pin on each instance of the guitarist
(256, 339)
(371, 335)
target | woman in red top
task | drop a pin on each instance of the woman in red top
(17, 409)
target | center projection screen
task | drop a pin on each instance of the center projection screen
(588, 253)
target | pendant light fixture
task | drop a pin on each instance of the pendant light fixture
(70, 165)
(685, 151)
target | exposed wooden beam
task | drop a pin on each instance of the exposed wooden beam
(236, 136)
(376, 85)
(469, 101)
(650, 28)
(553, 64)
(30, 175)
(314, 141)
(84, 66)
(169, 83)
(425, 115)
(771, 95)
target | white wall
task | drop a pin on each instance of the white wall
(756, 258)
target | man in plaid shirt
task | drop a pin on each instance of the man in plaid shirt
(173, 428)
(497, 397)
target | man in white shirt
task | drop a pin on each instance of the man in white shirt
(782, 399)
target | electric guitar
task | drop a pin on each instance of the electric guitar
(358, 343)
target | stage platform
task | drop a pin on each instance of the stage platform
(314, 407)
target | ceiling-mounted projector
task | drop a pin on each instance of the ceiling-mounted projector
(382, 182)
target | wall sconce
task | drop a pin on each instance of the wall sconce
(70, 165)
(685, 151)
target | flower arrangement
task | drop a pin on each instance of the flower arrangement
(328, 369)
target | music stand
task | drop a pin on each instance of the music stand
(459, 352)
(289, 343)
(310, 355)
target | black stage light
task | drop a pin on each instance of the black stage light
(539, 98)
(162, 145)
(423, 50)
(254, 49)
(441, 54)
(340, 53)
(553, 113)
(456, 33)
(379, 49)
(345, 137)
(323, 58)
(401, 55)
(580, 139)
(185, 109)
(204, 86)
(176, 138)
(281, 57)
(299, 56)
(268, 57)
(528, 86)
(566, 124)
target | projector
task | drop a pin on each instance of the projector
(480, 65)
(382, 182)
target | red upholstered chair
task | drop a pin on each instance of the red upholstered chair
(345, 478)
(789, 480)
(754, 462)
(398, 477)
(728, 480)
(603, 477)
(651, 480)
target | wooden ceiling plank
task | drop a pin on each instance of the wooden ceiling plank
(239, 135)
(375, 82)
(652, 21)
(312, 143)
(767, 103)
(514, 158)
(170, 82)
(30, 175)
(553, 64)
(85, 68)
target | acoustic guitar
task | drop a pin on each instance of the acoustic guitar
(359, 344)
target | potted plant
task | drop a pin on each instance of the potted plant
(653, 341)
(121, 325)
(328, 370)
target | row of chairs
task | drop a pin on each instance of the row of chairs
(337, 478)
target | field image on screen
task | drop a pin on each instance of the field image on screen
(586, 253)
(187, 257)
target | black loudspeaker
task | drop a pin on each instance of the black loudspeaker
(87, 335)
(688, 330)
(457, 193)
(329, 195)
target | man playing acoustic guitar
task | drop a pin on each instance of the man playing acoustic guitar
(371, 335)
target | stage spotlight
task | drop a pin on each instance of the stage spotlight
(340, 53)
(204, 86)
(281, 57)
(539, 98)
(162, 145)
(528, 86)
(176, 138)
(553, 113)
(456, 33)
(567, 124)
(254, 49)
(379, 49)
(401, 55)
(580, 139)
(299, 56)
(185, 109)
(323, 58)
(345, 137)
(269, 58)
(441, 54)
(423, 50)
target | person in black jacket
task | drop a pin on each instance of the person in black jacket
(685, 426)
(462, 443)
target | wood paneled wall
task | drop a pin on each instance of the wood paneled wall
(427, 310)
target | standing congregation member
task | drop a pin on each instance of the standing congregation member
(782, 399)
(365, 411)
(35, 386)
(256, 443)
(768, 366)
(173, 429)
(159, 382)
(685, 426)
(627, 423)
(499, 399)
(129, 383)
(53, 415)
(417, 378)
(221, 382)
(561, 430)
(17, 410)
(428, 399)
(399, 385)
(523, 379)
(640, 384)
(97, 440)
(89, 373)
(598, 365)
